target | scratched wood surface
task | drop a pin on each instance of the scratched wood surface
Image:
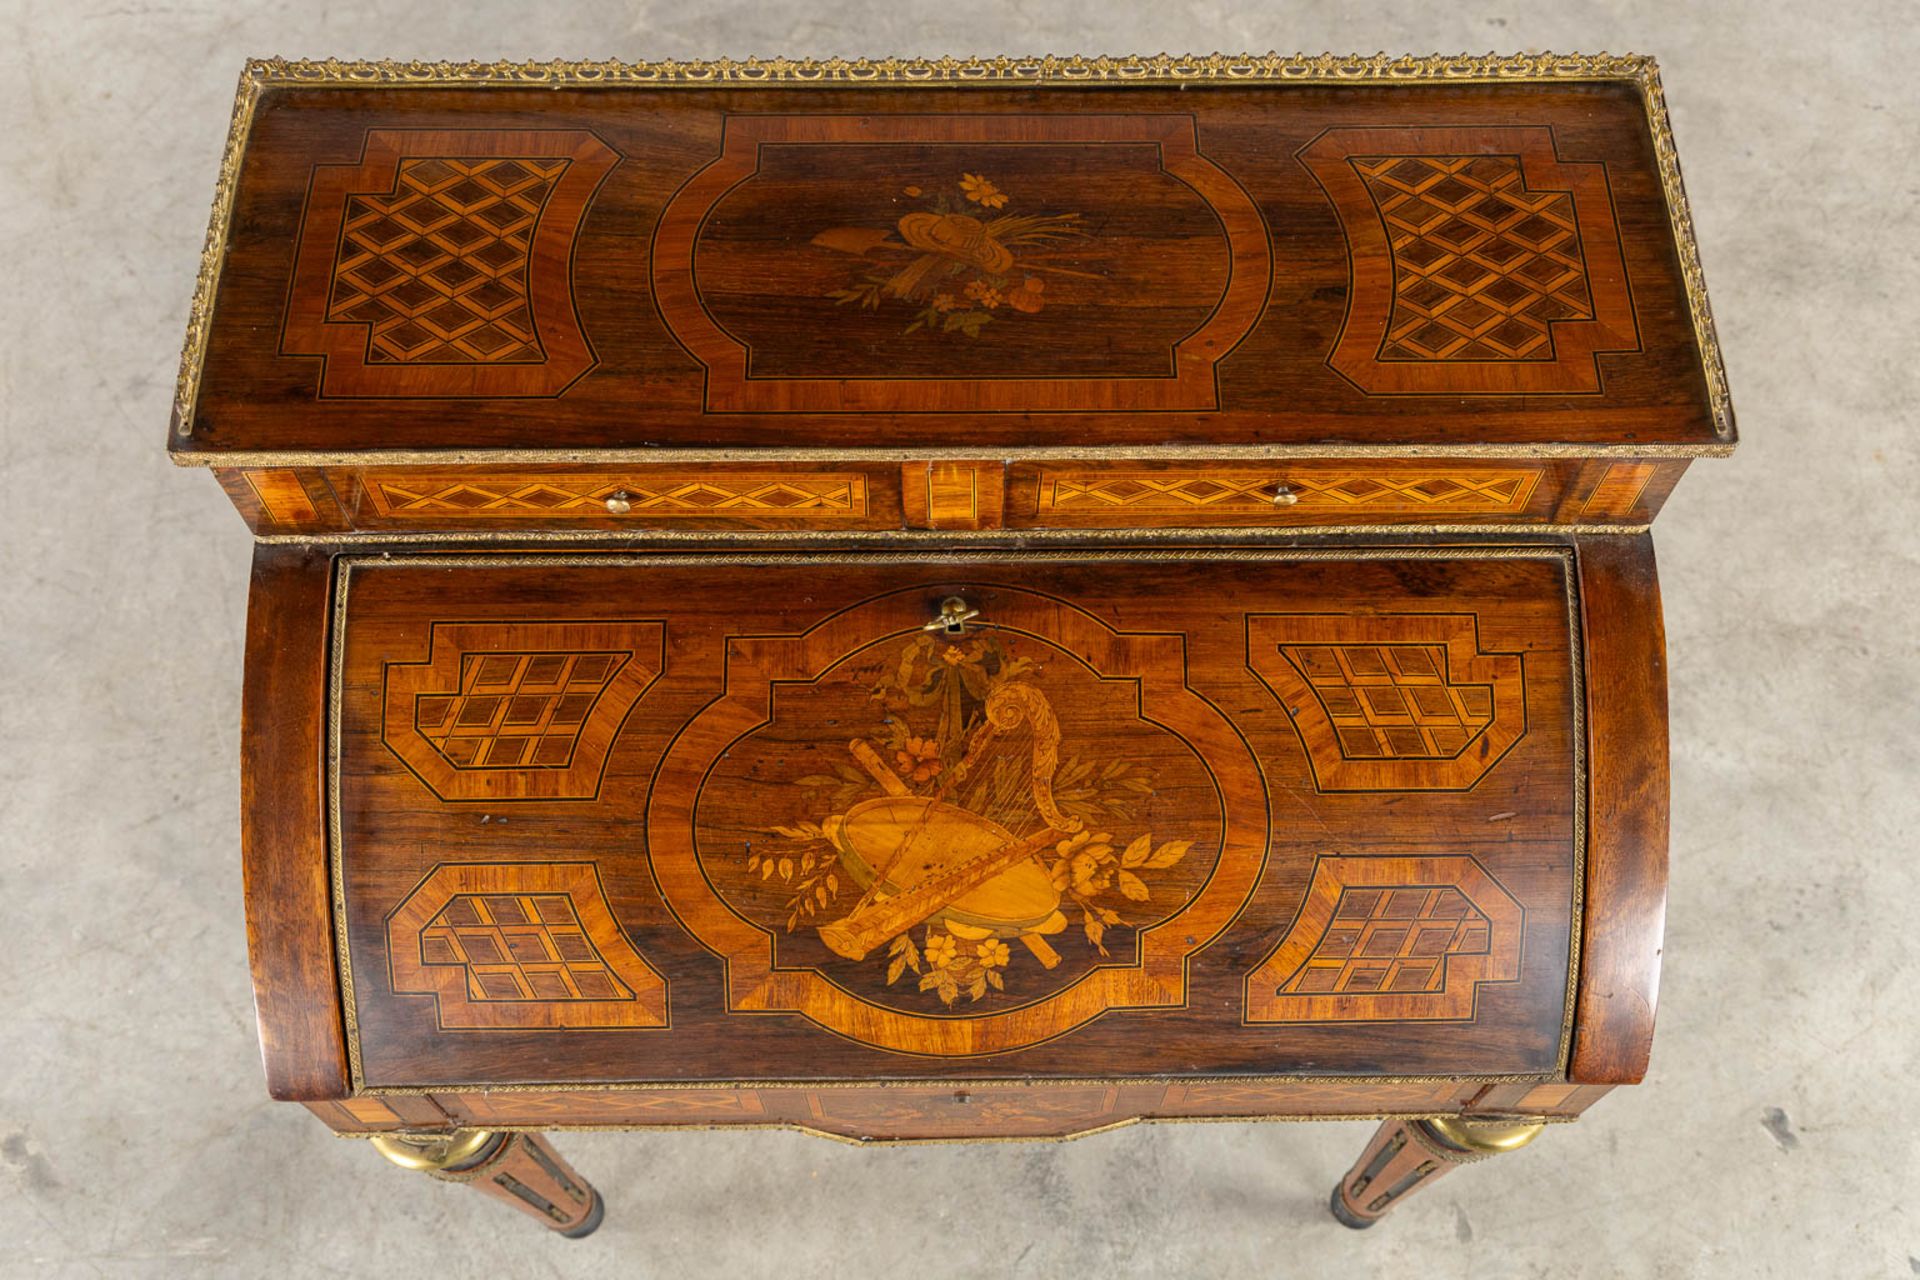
(435, 269)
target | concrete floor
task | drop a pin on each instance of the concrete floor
(1776, 1134)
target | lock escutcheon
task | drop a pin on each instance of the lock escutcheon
(955, 613)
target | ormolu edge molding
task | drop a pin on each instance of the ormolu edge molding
(1039, 453)
(1102, 71)
(957, 1081)
(1050, 69)
(213, 252)
(1667, 156)
(994, 541)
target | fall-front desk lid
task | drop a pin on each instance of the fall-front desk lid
(605, 818)
(492, 260)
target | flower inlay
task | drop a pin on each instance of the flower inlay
(954, 262)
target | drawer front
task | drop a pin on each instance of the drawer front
(773, 496)
(958, 495)
(1087, 815)
(1334, 491)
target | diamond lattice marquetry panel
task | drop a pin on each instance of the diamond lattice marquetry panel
(1482, 265)
(438, 267)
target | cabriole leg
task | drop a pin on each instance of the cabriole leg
(522, 1169)
(1406, 1155)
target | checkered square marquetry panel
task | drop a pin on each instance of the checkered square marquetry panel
(1393, 701)
(519, 947)
(438, 267)
(1391, 940)
(516, 710)
(1482, 265)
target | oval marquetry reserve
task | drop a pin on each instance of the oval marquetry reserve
(951, 600)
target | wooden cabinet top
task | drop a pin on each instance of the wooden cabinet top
(548, 262)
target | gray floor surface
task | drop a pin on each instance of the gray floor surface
(1776, 1134)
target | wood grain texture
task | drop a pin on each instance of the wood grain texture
(714, 496)
(1552, 1098)
(915, 268)
(1626, 900)
(283, 826)
(896, 1112)
(1111, 362)
(1629, 490)
(366, 1114)
(525, 1173)
(283, 500)
(766, 757)
(1402, 1157)
(1626, 491)
(953, 495)
(542, 835)
(1142, 494)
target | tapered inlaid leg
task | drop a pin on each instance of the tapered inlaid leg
(522, 1169)
(1406, 1155)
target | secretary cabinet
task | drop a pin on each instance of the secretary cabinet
(951, 600)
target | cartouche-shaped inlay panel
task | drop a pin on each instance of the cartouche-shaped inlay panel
(882, 263)
(877, 826)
